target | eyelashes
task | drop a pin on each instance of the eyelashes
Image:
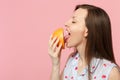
(73, 22)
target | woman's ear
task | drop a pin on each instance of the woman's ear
(86, 32)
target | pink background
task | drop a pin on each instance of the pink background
(25, 27)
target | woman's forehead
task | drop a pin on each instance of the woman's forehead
(80, 13)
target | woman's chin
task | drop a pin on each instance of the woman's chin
(68, 45)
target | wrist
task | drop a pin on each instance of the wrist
(56, 67)
(56, 62)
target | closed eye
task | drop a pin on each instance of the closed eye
(73, 22)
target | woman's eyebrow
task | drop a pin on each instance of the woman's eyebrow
(73, 17)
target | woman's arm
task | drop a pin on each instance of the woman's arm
(55, 53)
(115, 74)
(61, 76)
(55, 74)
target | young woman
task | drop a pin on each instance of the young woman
(89, 32)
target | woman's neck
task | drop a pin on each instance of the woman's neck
(81, 51)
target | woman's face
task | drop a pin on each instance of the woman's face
(76, 28)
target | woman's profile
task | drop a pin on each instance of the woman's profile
(89, 32)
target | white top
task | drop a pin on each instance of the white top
(100, 69)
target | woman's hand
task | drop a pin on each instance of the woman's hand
(54, 50)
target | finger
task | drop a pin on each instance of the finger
(55, 44)
(50, 38)
(59, 48)
(52, 41)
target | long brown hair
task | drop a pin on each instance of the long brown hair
(99, 39)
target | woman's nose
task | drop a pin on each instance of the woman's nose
(66, 24)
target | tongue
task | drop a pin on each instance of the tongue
(66, 37)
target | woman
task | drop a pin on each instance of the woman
(89, 32)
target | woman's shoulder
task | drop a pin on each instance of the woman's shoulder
(103, 68)
(115, 74)
(103, 62)
(113, 70)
